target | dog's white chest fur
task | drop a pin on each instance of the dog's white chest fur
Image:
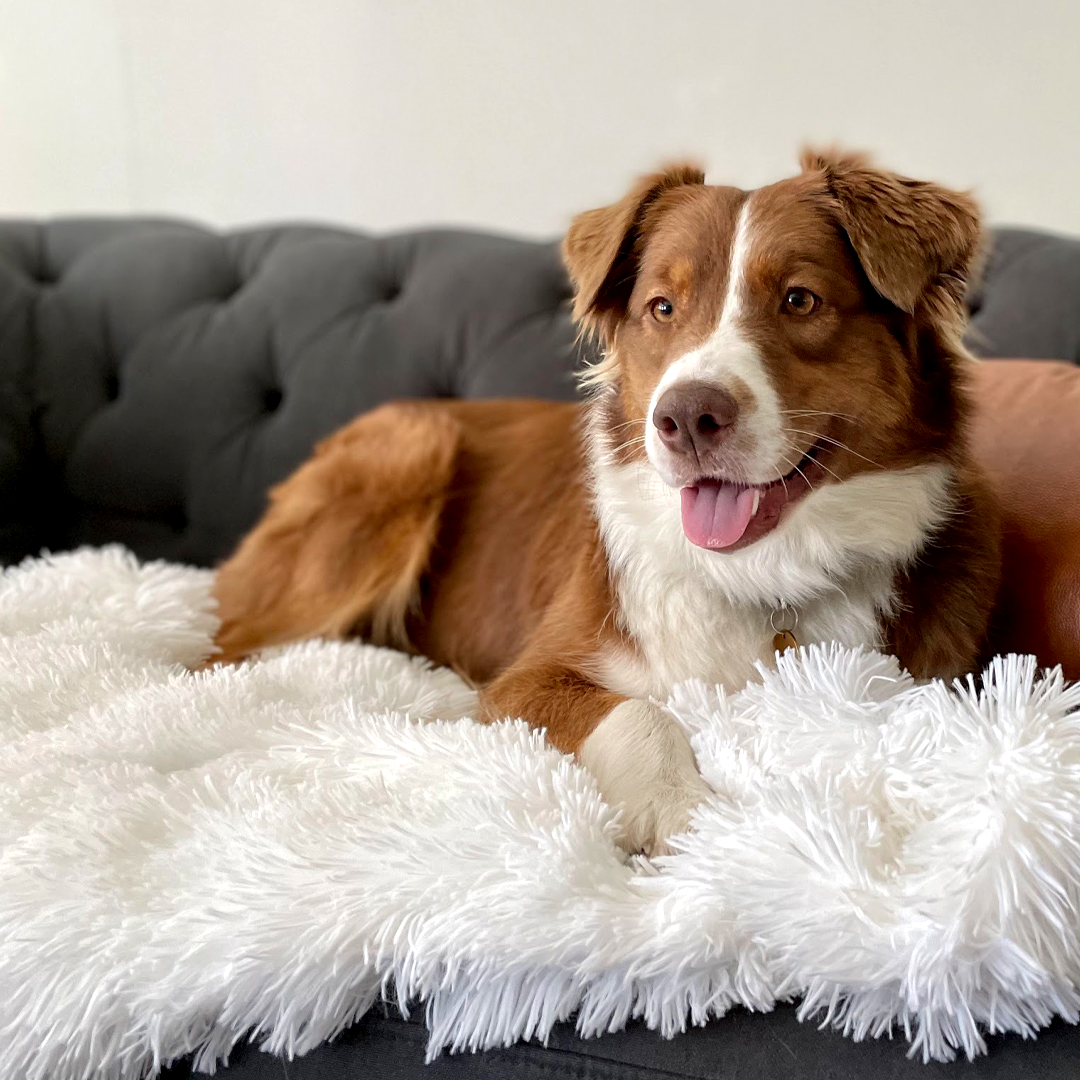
(685, 629)
(710, 615)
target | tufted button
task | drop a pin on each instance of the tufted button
(272, 399)
(112, 386)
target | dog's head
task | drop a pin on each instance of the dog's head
(760, 345)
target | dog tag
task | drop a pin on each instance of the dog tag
(783, 641)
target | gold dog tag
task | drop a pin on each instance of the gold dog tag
(783, 641)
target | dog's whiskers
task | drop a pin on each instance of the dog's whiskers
(637, 441)
(836, 442)
(625, 423)
(796, 468)
(815, 412)
(792, 446)
(782, 478)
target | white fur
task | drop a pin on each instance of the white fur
(260, 852)
(643, 763)
(705, 614)
(832, 561)
(728, 354)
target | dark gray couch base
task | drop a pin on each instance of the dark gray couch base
(741, 1045)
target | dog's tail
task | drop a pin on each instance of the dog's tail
(345, 539)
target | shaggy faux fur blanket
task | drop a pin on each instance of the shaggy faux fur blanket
(261, 852)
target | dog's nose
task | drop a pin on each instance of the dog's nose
(696, 417)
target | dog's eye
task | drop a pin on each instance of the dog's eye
(800, 301)
(662, 309)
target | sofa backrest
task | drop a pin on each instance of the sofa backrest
(156, 378)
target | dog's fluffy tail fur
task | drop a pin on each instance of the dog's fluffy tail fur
(345, 539)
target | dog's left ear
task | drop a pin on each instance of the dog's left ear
(915, 240)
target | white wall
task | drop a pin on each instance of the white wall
(514, 114)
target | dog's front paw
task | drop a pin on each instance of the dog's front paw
(643, 763)
(655, 814)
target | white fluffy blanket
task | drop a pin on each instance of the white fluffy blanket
(261, 852)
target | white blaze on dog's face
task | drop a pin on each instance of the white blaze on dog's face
(763, 344)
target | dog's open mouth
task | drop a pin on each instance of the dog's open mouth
(723, 515)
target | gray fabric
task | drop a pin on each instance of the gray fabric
(741, 1046)
(156, 378)
(1029, 302)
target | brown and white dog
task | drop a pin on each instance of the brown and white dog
(776, 431)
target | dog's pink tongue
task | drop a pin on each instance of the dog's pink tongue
(715, 514)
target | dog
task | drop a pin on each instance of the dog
(772, 450)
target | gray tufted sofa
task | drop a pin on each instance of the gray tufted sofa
(156, 378)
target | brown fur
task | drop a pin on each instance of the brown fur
(419, 512)
(917, 241)
(879, 375)
(345, 538)
(463, 530)
(941, 627)
(602, 246)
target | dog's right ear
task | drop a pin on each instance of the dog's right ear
(602, 247)
(917, 242)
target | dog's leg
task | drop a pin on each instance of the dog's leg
(643, 762)
(345, 538)
(946, 597)
(640, 757)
